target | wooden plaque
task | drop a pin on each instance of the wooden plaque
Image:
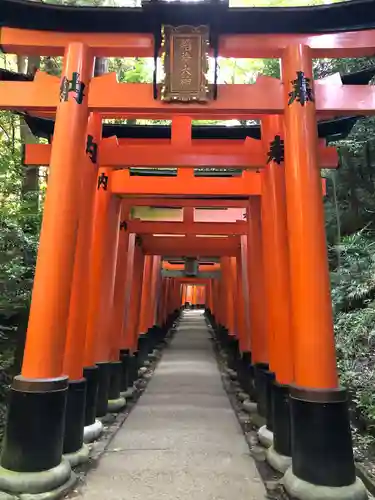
(185, 64)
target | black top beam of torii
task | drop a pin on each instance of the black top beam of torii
(351, 15)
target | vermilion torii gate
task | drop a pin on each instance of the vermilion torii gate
(100, 302)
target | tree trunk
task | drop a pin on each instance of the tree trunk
(30, 183)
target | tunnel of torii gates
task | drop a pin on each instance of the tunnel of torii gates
(140, 220)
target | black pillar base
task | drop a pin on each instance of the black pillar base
(124, 358)
(36, 416)
(233, 352)
(270, 376)
(222, 336)
(103, 388)
(158, 335)
(115, 380)
(246, 374)
(143, 345)
(133, 368)
(321, 438)
(281, 419)
(75, 416)
(260, 380)
(91, 374)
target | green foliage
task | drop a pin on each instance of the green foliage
(132, 69)
(353, 296)
(353, 283)
(19, 222)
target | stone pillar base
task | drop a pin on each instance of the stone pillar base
(249, 406)
(278, 462)
(154, 355)
(242, 396)
(115, 405)
(232, 374)
(78, 457)
(265, 436)
(92, 432)
(129, 393)
(45, 484)
(302, 490)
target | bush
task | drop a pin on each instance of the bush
(353, 292)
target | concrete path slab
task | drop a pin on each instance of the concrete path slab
(182, 441)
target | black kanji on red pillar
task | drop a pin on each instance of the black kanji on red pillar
(123, 225)
(276, 152)
(74, 85)
(103, 181)
(302, 92)
(92, 149)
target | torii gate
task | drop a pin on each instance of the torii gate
(264, 266)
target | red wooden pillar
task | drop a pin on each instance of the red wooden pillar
(81, 404)
(241, 311)
(167, 299)
(117, 351)
(277, 285)
(183, 298)
(162, 302)
(144, 324)
(276, 263)
(169, 302)
(49, 312)
(78, 310)
(195, 294)
(259, 344)
(128, 290)
(189, 290)
(234, 290)
(156, 273)
(42, 385)
(246, 341)
(135, 270)
(258, 323)
(120, 285)
(177, 292)
(320, 424)
(99, 338)
(209, 296)
(216, 299)
(222, 313)
(102, 274)
(228, 294)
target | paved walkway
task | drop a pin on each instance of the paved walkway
(182, 441)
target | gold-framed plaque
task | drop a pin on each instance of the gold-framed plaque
(185, 64)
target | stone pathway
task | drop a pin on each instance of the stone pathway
(182, 441)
